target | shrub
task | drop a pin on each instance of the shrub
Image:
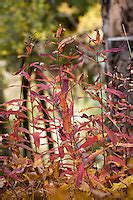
(84, 156)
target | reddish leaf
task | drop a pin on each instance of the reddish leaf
(62, 135)
(26, 75)
(24, 147)
(17, 113)
(53, 157)
(68, 171)
(56, 97)
(98, 86)
(43, 76)
(68, 71)
(112, 120)
(43, 86)
(23, 130)
(114, 159)
(69, 148)
(61, 151)
(57, 79)
(13, 101)
(11, 174)
(113, 50)
(59, 32)
(109, 132)
(64, 42)
(41, 97)
(116, 92)
(93, 155)
(15, 137)
(36, 65)
(97, 41)
(71, 109)
(36, 137)
(89, 142)
(80, 174)
(29, 49)
(111, 135)
(65, 85)
(20, 70)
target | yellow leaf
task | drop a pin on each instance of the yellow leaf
(64, 187)
(56, 170)
(130, 192)
(62, 193)
(130, 162)
(79, 195)
(123, 184)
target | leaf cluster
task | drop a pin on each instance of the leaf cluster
(90, 157)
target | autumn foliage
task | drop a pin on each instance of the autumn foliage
(91, 154)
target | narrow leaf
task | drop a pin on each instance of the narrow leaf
(65, 41)
(89, 142)
(20, 70)
(116, 92)
(61, 151)
(113, 50)
(65, 85)
(115, 159)
(93, 155)
(53, 157)
(59, 32)
(36, 137)
(97, 41)
(80, 173)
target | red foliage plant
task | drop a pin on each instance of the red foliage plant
(92, 150)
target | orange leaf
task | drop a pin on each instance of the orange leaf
(68, 71)
(71, 57)
(67, 122)
(65, 41)
(36, 137)
(59, 32)
(116, 160)
(80, 174)
(89, 142)
(97, 37)
(63, 102)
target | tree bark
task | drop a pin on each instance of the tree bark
(115, 13)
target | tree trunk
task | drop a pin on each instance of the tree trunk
(115, 13)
